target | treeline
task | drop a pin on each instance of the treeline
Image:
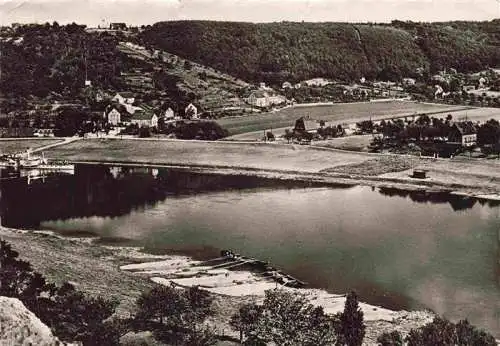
(178, 316)
(39, 59)
(276, 52)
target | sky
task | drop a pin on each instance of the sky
(138, 12)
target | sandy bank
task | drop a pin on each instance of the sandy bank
(218, 279)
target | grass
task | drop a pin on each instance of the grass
(213, 154)
(11, 146)
(343, 113)
(374, 167)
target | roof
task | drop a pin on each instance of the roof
(259, 94)
(126, 94)
(465, 128)
(142, 115)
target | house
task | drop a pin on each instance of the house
(118, 26)
(191, 112)
(463, 133)
(115, 115)
(144, 118)
(409, 81)
(317, 82)
(124, 97)
(264, 99)
(169, 114)
(286, 85)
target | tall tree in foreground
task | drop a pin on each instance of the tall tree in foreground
(352, 328)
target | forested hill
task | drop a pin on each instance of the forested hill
(296, 51)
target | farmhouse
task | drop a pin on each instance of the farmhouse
(144, 118)
(116, 114)
(463, 133)
(264, 99)
(124, 98)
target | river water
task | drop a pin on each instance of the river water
(397, 249)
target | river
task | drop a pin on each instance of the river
(399, 250)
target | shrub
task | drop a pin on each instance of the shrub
(390, 339)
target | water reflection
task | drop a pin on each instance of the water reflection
(107, 191)
(457, 202)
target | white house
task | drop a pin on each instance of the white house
(191, 112)
(409, 81)
(143, 118)
(169, 114)
(319, 82)
(113, 116)
(263, 99)
(124, 98)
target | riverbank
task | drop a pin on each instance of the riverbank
(471, 177)
(95, 269)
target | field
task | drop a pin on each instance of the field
(14, 145)
(212, 154)
(343, 113)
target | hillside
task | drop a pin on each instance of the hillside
(213, 90)
(296, 51)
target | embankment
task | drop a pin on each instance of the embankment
(479, 178)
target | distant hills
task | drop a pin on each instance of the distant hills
(276, 52)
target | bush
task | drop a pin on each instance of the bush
(284, 318)
(443, 332)
(177, 315)
(390, 339)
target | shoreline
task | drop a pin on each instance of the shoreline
(327, 179)
(127, 267)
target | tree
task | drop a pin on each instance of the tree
(390, 339)
(16, 277)
(69, 313)
(270, 136)
(288, 135)
(161, 303)
(441, 332)
(469, 335)
(352, 327)
(180, 314)
(285, 318)
(245, 320)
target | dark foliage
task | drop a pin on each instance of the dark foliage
(441, 332)
(176, 315)
(52, 58)
(352, 328)
(69, 313)
(390, 339)
(205, 130)
(284, 319)
(276, 52)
